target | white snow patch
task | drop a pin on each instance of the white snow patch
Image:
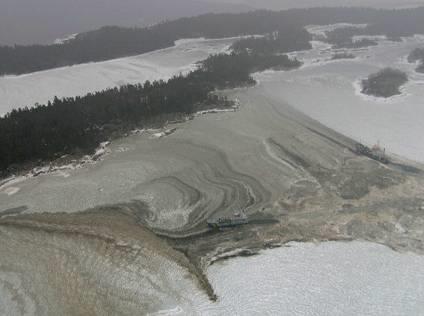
(122, 149)
(8, 186)
(357, 38)
(321, 30)
(100, 151)
(215, 111)
(61, 170)
(11, 190)
(64, 40)
(163, 133)
(138, 131)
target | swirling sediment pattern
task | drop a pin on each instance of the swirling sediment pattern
(143, 242)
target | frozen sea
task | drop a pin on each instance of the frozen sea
(326, 90)
(331, 278)
(77, 80)
(357, 278)
(329, 91)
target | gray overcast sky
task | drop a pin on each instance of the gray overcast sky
(42, 21)
(285, 4)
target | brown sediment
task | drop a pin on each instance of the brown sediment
(296, 180)
(358, 199)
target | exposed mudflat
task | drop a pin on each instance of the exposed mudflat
(97, 263)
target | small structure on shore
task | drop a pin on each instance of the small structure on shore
(376, 152)
(236, 220)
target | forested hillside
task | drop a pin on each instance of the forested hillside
(276, 42)
(113, 42)
(27, 22)
(77, 125)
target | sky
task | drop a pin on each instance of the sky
(43, 21)
(287, 4)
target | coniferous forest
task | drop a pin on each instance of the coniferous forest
(77, 125)
(276, 42)
(417, 56)
(113, 42)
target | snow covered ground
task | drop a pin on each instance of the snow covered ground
(26, 90)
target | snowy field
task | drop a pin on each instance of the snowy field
(26, 90)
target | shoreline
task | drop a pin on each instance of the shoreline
(334, 208)
(177, 43)
(73, 162)
(297, 179)
(358, 88)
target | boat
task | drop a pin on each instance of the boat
(237, 219)
(376, 152)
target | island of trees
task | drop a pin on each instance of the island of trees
(343, 38)
(75, 126)
(385, 83)
(417, 55)
(276, 42)
(114, 42)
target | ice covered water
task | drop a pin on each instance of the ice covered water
(26, 90)
(332, 278)
(326, 90)
(330, 92)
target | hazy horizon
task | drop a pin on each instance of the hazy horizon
(25, 22)
(42, 21)
(288, 4)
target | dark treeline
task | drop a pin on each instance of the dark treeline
(417, 55)
(394, 24)
(106, 43)
(385, 83)
(77, 125)
(276, 42)
(343, 38)
(113, 42)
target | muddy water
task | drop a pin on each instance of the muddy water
(220, 160)
(210, 165)
(91, 264)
